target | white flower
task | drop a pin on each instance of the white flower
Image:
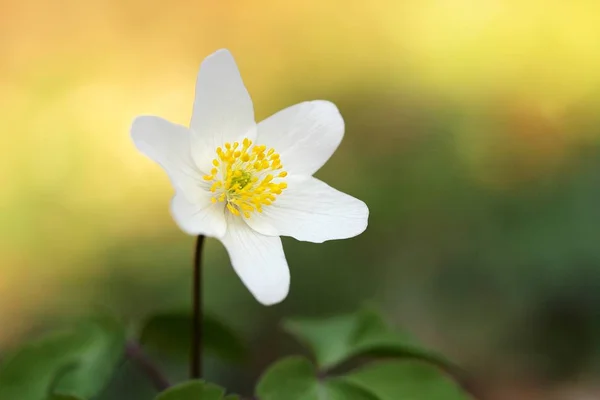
(246, 184)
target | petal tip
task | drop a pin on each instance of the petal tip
(273, 292)
(219, 54)
(329, 108)
(362, 214)
(222, 51)
(137, 125)
(142, 124)
(326, 104)
(274, 297)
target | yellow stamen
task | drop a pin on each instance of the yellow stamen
(245, 177)
(233, 210)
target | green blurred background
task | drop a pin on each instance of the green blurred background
(472, 133)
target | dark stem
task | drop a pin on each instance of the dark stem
(196, 356)
(134, 352)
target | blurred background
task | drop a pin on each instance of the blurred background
(473, 134)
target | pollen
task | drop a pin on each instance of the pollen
(246, 177)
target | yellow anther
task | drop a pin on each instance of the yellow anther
(246, 207)
(243, 177)
(233, 210)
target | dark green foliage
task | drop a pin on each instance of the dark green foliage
(194, 390)
(339, 338)
(295, 378)
(169, 333)
(77, 362)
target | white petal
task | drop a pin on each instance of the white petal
(200, 216)
(223, 111)
(258, 260)
(305, 135)
(312, 211)
(169, 145)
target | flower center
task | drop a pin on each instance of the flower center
(246, 178)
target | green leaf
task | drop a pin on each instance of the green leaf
(336, 339)
(232, 397)
(76, 362)
(100, 354)
(393, 380)
(294, 378)
(63, 397)
(338, 390)
(193, 390)
(169, 333)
